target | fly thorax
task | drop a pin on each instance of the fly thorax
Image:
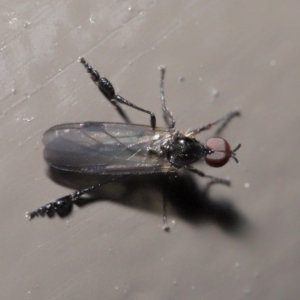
(184, 150)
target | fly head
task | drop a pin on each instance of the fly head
(219, 152)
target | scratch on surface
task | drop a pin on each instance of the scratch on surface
(173, 28)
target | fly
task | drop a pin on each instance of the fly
(123, 149)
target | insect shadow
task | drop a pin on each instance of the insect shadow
(184, 196)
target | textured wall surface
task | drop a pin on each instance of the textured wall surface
(235, 243)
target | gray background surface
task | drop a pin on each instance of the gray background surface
(240, 242)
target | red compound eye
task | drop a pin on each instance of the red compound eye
(221, 152)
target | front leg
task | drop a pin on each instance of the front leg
(212, 178)
(223, 121)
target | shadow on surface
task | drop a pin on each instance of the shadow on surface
(183, 193)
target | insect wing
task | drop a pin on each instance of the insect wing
(105, 148)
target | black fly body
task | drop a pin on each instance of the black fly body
(122, 149)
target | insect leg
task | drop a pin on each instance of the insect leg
(108, 91)
(62, 204)
(167, 115)
(105, 87)
(166, 227)
(213, 179)
(224, 122)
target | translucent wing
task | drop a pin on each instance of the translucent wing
(105, 148)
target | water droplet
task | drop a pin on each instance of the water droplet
(215, 93)
(27, 24)
(92, 19)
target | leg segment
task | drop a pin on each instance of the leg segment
(62, 204)
(167, 115)
(212, 178)
(224, 122)
(108, 91)
(165, 220)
